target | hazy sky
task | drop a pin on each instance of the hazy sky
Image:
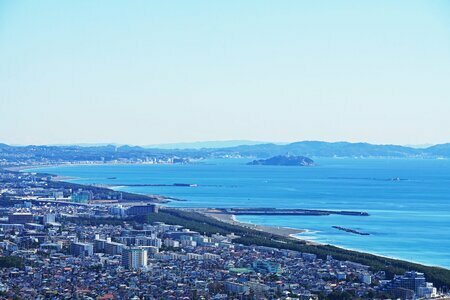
(146, 72)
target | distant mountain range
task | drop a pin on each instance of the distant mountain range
(340, 149)
(135, 153)
(205, 144)
(185, 145)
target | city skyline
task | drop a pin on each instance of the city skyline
(146, 73)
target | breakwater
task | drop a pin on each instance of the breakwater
(350, 230)
(280, 211)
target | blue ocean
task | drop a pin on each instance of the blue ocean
(408, 199)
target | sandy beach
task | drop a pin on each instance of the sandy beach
(283, 231)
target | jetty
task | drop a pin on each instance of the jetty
(284, 212)
(146, 184)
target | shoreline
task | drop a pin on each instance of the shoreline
(293, 233)
(231, 219)
(226, 218)
(27, 167)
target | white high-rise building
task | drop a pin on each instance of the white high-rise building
(49, 218)
(134, 258)
(427, 291)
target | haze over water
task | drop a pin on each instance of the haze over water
(408, 199)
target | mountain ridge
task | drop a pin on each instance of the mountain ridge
(113, 152)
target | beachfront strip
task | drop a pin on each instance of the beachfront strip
(60, 249)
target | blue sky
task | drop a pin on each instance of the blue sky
(147, 72)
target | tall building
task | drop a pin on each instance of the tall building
(81, 249)
(20, 218)
(411, 281)
(148, 241)
(107, 246)
(415, 283)
(82, 196)
(427, 291)
(99, 244)
(117, 210)
(134, 258)
(49, 218)
(138, 210)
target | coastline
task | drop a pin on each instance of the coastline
(231, 219)
(293, 233)
(226, 218)
(27, 167)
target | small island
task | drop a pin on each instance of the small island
(284, 160)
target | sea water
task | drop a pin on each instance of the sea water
(408, 199)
